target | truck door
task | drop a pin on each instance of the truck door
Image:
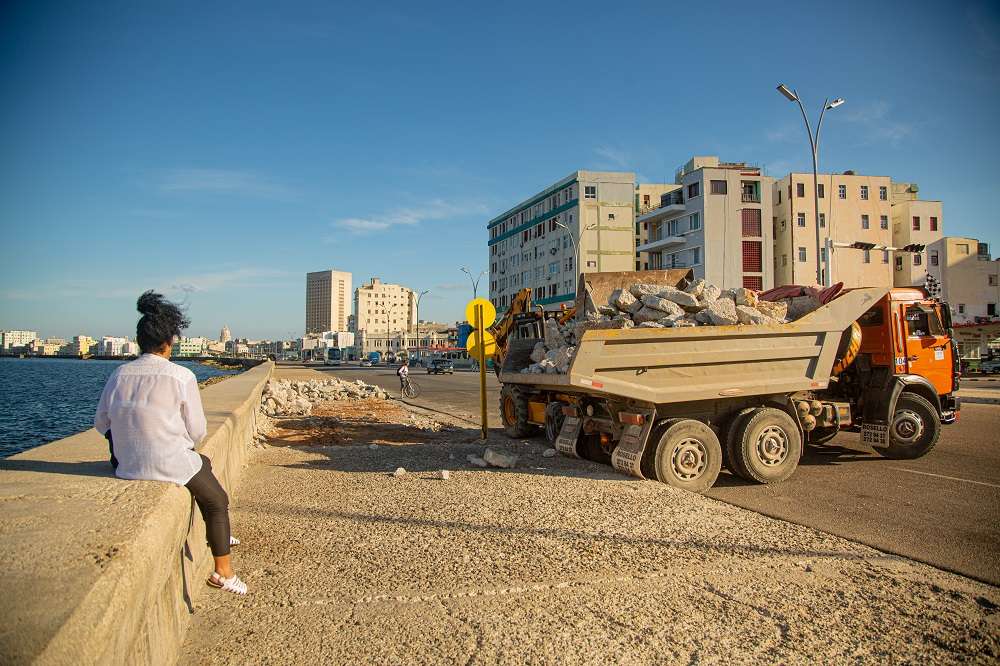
(928, 349)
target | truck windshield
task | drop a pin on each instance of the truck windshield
(923, 321)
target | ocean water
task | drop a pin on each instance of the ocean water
(45, 399)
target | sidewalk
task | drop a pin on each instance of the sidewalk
(557, 560)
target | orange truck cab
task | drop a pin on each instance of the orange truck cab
(906, 373)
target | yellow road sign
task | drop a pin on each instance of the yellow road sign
(489, 312)
(491, 344)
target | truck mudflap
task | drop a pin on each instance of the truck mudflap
(627, 456)
(568, 436)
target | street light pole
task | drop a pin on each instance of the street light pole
(823, 278)
(475, 281)
(576, 250)
(419, 296)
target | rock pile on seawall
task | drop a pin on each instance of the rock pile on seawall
(646, 305)
(296, 398)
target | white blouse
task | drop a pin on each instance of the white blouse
(153, 409)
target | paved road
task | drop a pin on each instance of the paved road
(943, 509)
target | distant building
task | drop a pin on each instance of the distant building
(647, 198)
(380, 307)
(79, 347)
(187, 347)
(46, 347)
(130, 348)
(328, 302)
(225, 335)
(425, 343)
(913, 221)
(529, 245)
(715, 221)
(110, 346)
(969, 277)
(12, 339)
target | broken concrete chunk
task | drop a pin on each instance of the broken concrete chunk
(709, 294)
(476, 460)
(744, 296)
(549, 453)
(553, 336)
(800, 306)
(749, 315)
(651, 324)
(621, 299)
(776, 309)
(722, 312)
(681, 298)
(696, 288)
(662, 304)
(538, 353)
(647, 314)
(444, 475)
(399, 472)
(500, 458)
(607, 310)
(589, 305)
(641, 289)
(635, 307)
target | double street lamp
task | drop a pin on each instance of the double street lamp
(576, 249)
(822, 277)
(475, 280)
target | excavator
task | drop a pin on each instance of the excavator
(521, 314)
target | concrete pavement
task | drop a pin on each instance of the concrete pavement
(943, 509)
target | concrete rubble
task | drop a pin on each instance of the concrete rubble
(498, 458)
(296, 398)
(645, 305)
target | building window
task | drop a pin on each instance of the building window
(784, 260)
(918, 259)
(883, 221)
(802, 254)
(864, 192)
(695, 256)
(841, 191)
(916, 223)
(590, 191)
(751, 223)
(934, 257)
(883, 193)
(611, 216)
(991, 309)
(822, 220)
(885, 256)
(801, 220)
(719, 187)
(961, 308)
(754, 282)
(779, 196)
(962, 248)
(783, 225)
(933, 224)
(694, 189)
(868, 256)
(822, 190)
(752, 262)
(695, 223)
(864, 222)
(800, 189)
(991, 280)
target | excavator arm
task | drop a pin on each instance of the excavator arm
(501, 330)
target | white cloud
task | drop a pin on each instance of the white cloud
(878, 124)
(613, 156)
(222, 181)
(435, 209)
(453, 286)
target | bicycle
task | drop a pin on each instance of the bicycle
(410, 388)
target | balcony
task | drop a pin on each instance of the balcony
(663, 213)
(658, 243)
(751, 197)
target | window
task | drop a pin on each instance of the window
(822, 190)
(883, 193)
(802, 254)
(752, 262)
(883, 221)
(885, 256)
(645, 200)
(801, 220)
(611, 216)
(800, 189)
(918, 259)
(784, 260)
(991, 309)
(695, 256)
(962, 248)
(841, 191)
(961, 308)
(719, 187)
(933, 224)
(694, 190)
(864, 222)
(864, 192)
(934, 257)
(822, 220)
(782, 225)
(922, 322)
(916, 223)
(754, 282)
(992, 280)
(695, 222)
(590, 191)
(751, 223)
(868, 256)
(779, 196)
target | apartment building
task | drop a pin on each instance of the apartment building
(969, 277)
(913, 221)
(713, 221)
(11, 339)
(852, 208)
(327, 301)
(78, 347)
(586, 217)
(381, 307)
(647, 198)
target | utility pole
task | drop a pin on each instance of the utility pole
(475, 280)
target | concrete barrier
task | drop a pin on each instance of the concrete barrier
(97, 570)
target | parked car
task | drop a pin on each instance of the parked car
(989, 367)
(440, 366)
(365, 363)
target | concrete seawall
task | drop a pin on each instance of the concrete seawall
(97, 570)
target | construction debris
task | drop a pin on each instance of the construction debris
(284, 397)
(500, 458)
(476, 460)
(400, 472)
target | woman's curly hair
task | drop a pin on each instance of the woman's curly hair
(161, 322)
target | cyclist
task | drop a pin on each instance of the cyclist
(404, 375)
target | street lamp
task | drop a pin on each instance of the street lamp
(576, 249)
(475, 281)
(419, 296)
(826, 278)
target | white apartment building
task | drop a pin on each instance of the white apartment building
(395, 343)
(586, 217)
(381, 307)
(969, 277)
(914, 221)
(10, 339)
(714, 221)
(110, 346)
(327, 300)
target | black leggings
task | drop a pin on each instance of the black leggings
(214, 504)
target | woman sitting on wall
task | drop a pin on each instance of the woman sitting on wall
(151, 413)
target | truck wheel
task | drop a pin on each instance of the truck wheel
(914, 429)
(514, 413)
(688, 456)
(731, 444)
(767, 446)
(554, 419)
(822, 435)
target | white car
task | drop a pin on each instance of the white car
(366, 363)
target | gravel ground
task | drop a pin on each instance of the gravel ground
(557, 560)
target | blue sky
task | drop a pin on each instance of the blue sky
(219, 152)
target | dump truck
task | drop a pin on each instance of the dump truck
(676, 404)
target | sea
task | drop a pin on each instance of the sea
(45, 399)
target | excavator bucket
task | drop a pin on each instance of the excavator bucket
(602, 284)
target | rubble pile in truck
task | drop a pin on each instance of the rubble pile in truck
(645, 305)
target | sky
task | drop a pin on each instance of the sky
(218, 152)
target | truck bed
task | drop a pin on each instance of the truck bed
(665, 365)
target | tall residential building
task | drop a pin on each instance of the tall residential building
(327, 301)
(9, 339)
(380, 307)
(852, 208)
(969, 278)
(226, 335)
(529, 245)
(80, 346)
(913, 221)
(647, 198)
(714, 222)
(110, 346)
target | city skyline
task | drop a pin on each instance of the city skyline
(220, 159)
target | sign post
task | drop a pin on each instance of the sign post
(481, 313)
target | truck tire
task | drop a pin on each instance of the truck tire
(688, 456)
(554, 419)
(514, 413)
(767, 445)
(914, 429)
(731, 442)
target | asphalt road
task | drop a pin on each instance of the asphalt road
(943, 509)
